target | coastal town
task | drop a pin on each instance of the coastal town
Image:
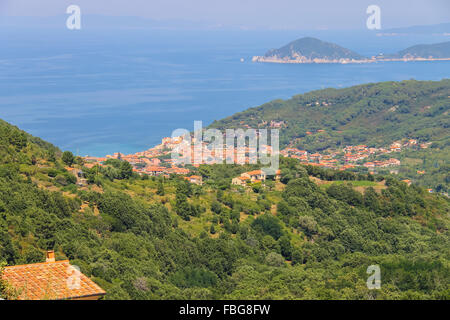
(354, 156)
(157, 161)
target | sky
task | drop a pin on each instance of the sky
(251, 14)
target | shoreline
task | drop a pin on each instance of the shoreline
(304, 60)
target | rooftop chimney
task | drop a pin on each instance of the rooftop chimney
(50, 256)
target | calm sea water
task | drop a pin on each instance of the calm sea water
(104, 91)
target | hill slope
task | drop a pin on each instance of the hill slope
(157, 238)
(372, 114)
(425, 51)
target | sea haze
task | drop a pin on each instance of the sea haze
(102, 91)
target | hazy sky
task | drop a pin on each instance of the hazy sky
(278, 14)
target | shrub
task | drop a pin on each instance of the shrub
(274, 259)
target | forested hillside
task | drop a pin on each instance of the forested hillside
(310, 235)
(372, 114)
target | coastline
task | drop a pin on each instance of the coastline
(304, 60)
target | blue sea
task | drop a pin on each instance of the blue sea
(100, 91)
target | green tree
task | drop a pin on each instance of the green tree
(268, 224)
(68, 158)
(126, 170)
(6, 290)
(160, 190)
(184, 187)
(182, 207)
(285, 247)
(274, 259)
(216, 207)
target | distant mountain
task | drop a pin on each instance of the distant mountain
(426, 51)
(441, 28)
(94, 21)
(310, 50)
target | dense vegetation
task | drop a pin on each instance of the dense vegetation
(311, 235)
(372, 114)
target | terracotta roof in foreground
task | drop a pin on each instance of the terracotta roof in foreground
(50, 281)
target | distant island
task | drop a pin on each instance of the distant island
(312, 50)
(437, 51)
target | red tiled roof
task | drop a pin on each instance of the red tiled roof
(179, 170)
(160, 169)
(50, 281)
(254, 172)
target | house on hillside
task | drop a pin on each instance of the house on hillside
(240, 181)
(278, 174)
(195, 180)
(393, 162)
(154, 170)
(407, 181)
(79, 174)
(50, 280)
(396, 147)
(176, 170)
(369, 165)
(255, 175)
(277, 124)
(315, 156)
